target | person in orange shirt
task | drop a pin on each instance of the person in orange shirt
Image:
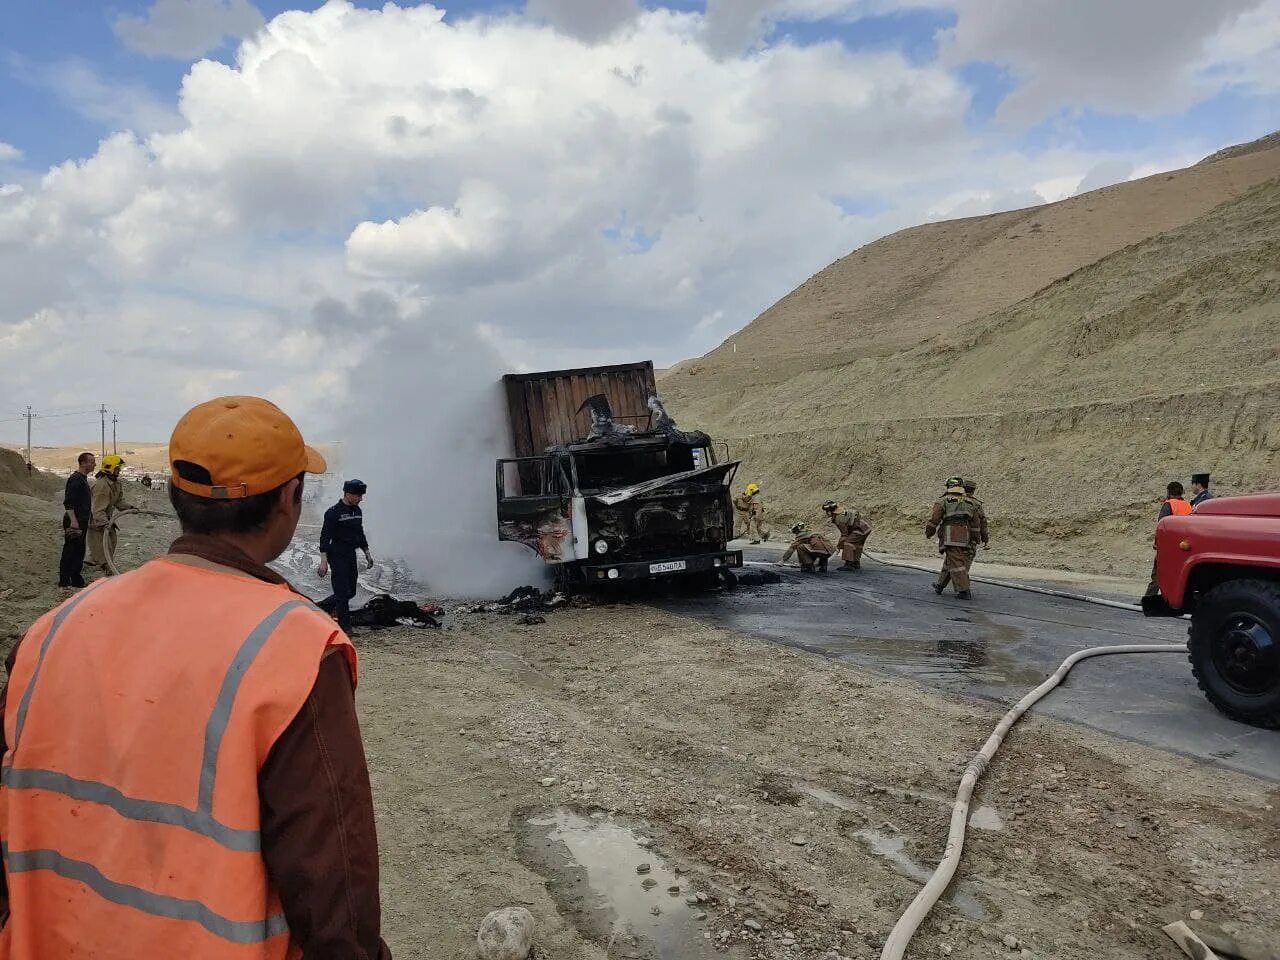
(1173, 505)
(183, 770)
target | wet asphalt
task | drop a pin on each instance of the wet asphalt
(997, 646)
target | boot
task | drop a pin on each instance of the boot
(806, 568)
(857, 564)
(822, 565)
(963, 595)
(849, 566)
(938, 588)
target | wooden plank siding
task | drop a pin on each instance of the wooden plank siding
(544, 407)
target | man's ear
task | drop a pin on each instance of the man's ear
(288, 497)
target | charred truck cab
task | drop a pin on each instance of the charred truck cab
(606, 487)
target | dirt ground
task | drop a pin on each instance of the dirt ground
(774, 789)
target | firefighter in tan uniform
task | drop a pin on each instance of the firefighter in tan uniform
(812, 549)
(751, 512)
(108, 503)
(853, 534)
(956, 522)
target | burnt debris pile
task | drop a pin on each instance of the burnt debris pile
(385, 611)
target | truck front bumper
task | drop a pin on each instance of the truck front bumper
(647, 570)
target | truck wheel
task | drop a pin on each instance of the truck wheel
(1235, 650)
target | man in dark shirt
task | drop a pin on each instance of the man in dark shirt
(340, 537)
(77, 502)
(1200, 489)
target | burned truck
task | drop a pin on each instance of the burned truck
(605, 487)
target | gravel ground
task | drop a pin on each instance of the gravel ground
(792, 799)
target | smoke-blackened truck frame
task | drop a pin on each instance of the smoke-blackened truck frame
(605, 487)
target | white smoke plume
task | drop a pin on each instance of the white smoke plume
(423, 428)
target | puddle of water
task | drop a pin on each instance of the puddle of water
(953, 658)
(893, 849)
(591, 870)
(829, 798)
(986, 818)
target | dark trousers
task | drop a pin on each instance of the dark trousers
(342, 575)
(71, 566)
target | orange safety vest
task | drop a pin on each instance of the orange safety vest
(1178, 506)
(139, 715)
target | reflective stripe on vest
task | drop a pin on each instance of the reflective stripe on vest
(174, 838)
(1178, 507)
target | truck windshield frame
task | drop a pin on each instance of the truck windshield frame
(611, 468)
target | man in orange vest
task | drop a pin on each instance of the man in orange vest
(1173, 505)
(183, 772)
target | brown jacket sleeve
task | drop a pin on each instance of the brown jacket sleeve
(319, 840)
(935, 520)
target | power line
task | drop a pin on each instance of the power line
(73, 413)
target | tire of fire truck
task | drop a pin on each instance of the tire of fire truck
(1234, 646)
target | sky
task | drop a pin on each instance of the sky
(342, 205)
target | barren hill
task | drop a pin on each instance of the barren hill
(1074, 357)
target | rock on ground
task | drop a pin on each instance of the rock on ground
(506, 934)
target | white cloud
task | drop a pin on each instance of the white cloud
(186, 29)
(8, 152)
(590, 20)
(1139, 56)
(355, 175)
(1246, 52)
(112, 104)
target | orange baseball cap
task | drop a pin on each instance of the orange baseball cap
(236, 447)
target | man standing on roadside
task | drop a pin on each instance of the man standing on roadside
(952, 521)
(77, 502)
(183, 769)
(1200, 489)
(752, 511)
(1173, 505)
(108, 503)
(340, 537)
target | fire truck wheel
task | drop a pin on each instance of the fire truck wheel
(1235, 650)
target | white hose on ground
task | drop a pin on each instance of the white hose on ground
(896, 945)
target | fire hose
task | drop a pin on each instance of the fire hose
(109, 538)
(900, 936)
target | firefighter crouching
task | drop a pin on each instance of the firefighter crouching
(813, 549)
(853, 534)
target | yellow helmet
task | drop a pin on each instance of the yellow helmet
(111, 463)
(753, 489)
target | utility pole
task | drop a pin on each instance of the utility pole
(30, 416)
(102, 412)
(114, 421)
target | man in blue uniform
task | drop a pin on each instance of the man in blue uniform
(340, 537)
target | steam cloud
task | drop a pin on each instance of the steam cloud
(425, 423)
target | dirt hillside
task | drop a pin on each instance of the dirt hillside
(1072, 357)
(16, 478)
(140, 457)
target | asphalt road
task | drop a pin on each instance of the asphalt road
(997, 646)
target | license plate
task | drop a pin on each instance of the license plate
(673, 567)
